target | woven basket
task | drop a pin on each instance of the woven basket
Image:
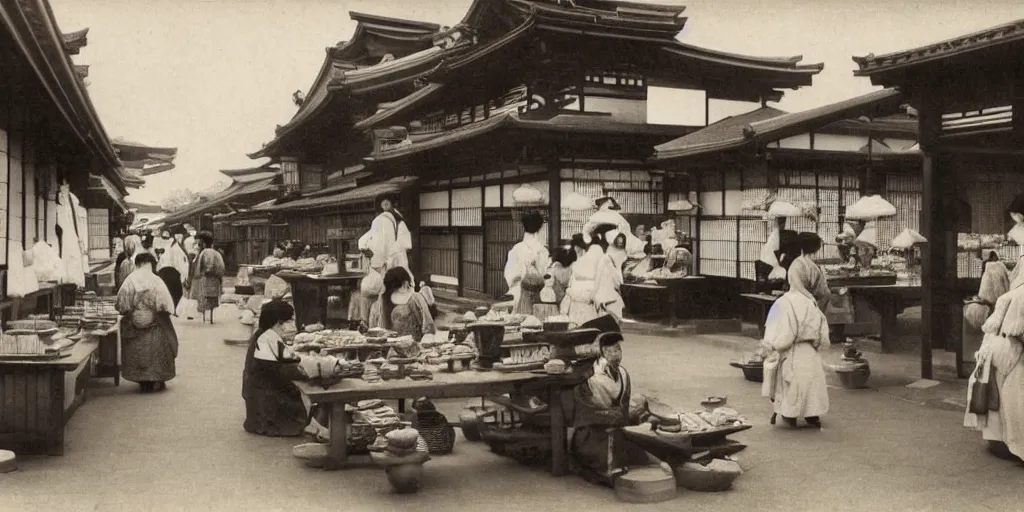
(436, 431)
(704, 481)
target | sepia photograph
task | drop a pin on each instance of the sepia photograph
(507, 255)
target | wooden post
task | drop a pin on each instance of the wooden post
(554, 205)
(933, 252)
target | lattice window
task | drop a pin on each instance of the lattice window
(434, 208)
(718, 247)
(467, 207)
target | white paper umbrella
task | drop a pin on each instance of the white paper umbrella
(907, 239)
(869, 235)
(870, 207)
(577, 201)
(783, 209)
(527, 194)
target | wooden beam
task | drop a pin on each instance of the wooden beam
(932, 258)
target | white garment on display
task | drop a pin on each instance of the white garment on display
(71, 249)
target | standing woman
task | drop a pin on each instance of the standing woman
(593, 289)
(132, 248)
(401, 308)
(796, 332)
(389, 239)
(173, 269)
(273, 405)
(207, 281)
(148, 342)
(526, 264)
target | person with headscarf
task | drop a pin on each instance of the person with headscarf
(526, 265)
(173, 268)
(401, 308)
(593, 289)
(149, 344)
(1000, 367)
(206, 283)
(389, 240)
(132, 248)
(808, 244)
(796, 333)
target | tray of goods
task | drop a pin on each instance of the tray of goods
(417, 371)
(20, 342)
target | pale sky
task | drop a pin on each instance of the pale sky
(213, 77)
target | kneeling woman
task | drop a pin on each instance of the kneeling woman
(273, 405)
(148, 342)
(795, 334)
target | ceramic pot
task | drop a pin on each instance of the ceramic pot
(854, 377)
(405, 478)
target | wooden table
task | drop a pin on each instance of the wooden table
(664, 296)
(309, 294)
(36, 401)
(108, 364)
(764, 303)
(677, 292)
(445, 385)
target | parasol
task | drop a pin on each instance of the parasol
(870, 208)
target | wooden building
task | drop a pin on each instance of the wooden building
(505, 100)
(969, 98)
(50, 132)
(242, 237)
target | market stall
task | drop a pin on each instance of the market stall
(43, 376)
(321, 299)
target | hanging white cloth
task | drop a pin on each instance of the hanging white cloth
(71, 249)
(82, 216)
(21, 279)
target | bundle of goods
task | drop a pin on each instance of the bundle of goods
(33, 338)
(439, 352)
(327, 339)
(403, 459)
(380, 417)
(328, 369)
(531, 324)
(416, 371)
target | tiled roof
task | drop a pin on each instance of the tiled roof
(767, 125)
(986, 39)
(235, 191)
(364, 193)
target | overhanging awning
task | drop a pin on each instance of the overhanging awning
(365, 193)
(237, 190)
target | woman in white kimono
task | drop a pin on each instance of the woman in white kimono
(608, 213)
(999, 360)
(389, 239)
(796, 333)
(527, 262)
(593, 289)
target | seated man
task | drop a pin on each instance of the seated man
(603, 405)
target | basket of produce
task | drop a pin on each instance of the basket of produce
(717, 476)
(434, 428)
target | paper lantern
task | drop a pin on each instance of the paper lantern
(527, 194)
(907, 239)
(870, 207)
(577, 201)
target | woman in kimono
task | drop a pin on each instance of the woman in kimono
(593, 289)
(603, 404)
(527, 262)
(677, 265)
(995, 281)
(132, 248)
(1000, 360)
(401, 308)
(207, 282)
(561, 271)
(149, 344)
(389, 239)
(273, 405)
(795, 334)
(173, 269)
